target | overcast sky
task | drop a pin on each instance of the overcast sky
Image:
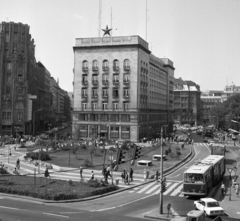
(201, 37)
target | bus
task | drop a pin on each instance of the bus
(199, 179)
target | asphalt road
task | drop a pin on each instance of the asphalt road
(128, 205)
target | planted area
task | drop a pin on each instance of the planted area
(50, 189)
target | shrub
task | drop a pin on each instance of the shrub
(35, 156)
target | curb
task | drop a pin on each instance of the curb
(165, 172)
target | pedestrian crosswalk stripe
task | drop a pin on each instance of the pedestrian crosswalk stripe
(152, 189)
(181, 195)
(146, 187)
(177, 190)
(170, 189)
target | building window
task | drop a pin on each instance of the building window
(105, 63)
(84, 92)
(105, 92)
(114, 133)
(105, 77)
(115, 65)
(125, 132)
(4, 115)
(84, 79)
(94, 92)
(115, 78)
(84, 106)
(125, 117)
(20, 91)
(115, 106)
(126, 63)
(85, 64)
(93, 117)
(83, 129)
(95, 64)
(94, 106)
(83, 117)
(7, 37)
(8, 90)
(104, 106)
(20, 77)
(9, 66)
(125, 106)
(126, 92)
(115, 92)
(114, 117)
(104, 117)
(19, 116)
(126, 78)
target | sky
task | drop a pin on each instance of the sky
(201, 37)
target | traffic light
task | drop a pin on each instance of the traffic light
(164, 187)
(120, 156)
(136, 152)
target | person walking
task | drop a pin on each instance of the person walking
(81, 172)
(223, 188)
(18, 164)
(108, 171)
(123, 175)
(157, 175)
(126, 178)
(237, 189)
(46, 173)
(92, 175)
(131, 174)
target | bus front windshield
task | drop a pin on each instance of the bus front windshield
(193, 178)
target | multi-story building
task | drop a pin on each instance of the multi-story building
(230, 90)
(187, 103)
(121, 91)
(17, 61)
(210, 98)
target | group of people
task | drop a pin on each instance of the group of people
(127, 178)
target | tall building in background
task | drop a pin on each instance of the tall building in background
(30, 99)
(121, 91)
(187, 102)
(17, 62)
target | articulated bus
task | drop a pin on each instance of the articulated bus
(199, 179)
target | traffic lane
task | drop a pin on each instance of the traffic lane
(200, 153)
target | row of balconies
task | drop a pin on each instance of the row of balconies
(104, 96)
(106, 82)
(106, 68)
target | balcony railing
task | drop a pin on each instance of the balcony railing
(115, 68)
(115, 96)
(94, 68)
(126, 81)
(85, 69)
(105, 68)
(84, 97)
(85, 82)
(126, 68)
(116, 82)
(95, 82)
(94, 96)
(105, 82)
(126, 96)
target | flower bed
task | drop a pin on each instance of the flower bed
(54, 190)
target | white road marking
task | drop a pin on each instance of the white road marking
(181, 195)
(238, 212)
(170, 189)
(175, 176)
(152, 189)
(146, 187)
(52, 214)
(176, 191)
(131, 191)
(4, 207)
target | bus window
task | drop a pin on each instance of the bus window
(193, 178)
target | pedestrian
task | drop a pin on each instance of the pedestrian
(123, 175)
(223, 188)
(81, 171)
(126, 178)
(92, 175)
(18, 164)
(237, 189)
(46, 173)
(131, 174)
(108, 171)
(157, 175)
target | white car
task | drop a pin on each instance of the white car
(209, 206)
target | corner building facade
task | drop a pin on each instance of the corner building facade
(121, 91)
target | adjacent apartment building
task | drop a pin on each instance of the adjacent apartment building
(121, 91)
(187, 102)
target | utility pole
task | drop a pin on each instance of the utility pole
(161, 179)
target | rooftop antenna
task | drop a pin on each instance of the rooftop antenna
(146, 20)
(111, 21)
(99, 18)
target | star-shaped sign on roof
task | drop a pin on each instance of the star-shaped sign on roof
(107, 31)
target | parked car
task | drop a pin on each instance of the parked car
(209, 206)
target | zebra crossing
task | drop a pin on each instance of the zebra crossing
(174, 188)
(207, 144)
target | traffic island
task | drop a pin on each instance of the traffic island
(167, 214)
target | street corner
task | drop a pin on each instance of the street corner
(155, 214)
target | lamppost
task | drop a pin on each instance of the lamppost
(34, 120)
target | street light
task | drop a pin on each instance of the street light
(34, 120)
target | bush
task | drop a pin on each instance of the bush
(35, 156)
